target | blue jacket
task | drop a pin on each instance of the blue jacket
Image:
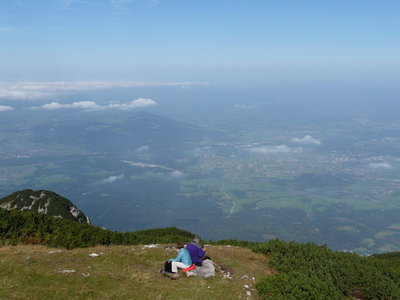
(184, 257)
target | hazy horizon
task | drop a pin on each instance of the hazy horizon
(212, 41)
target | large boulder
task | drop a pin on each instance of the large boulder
(206, 270)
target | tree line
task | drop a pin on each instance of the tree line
(26, 227)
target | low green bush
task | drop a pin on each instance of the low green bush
(391, 259)
(306, 267)
(285, 286)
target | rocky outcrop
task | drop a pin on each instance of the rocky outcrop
(44, 202)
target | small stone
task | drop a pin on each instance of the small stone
(67, 271)
(55, 251)
(150, 246)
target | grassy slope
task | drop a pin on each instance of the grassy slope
(122, 272)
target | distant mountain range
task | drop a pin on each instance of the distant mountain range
(44, 202)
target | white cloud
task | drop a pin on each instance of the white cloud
(112, 179)
(380, 165)
(91, 105)
(85, 105)
(53, 105)
(5, 108)
(176, 174)
(275, 149)
(307, 140)
(143, 148)
(242, 106)
(44, 90)
(21, 94)
(137, 103)
(88, 105)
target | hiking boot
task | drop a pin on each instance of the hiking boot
(169, 274)
(174, 275)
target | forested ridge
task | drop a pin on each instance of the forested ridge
(26, 227)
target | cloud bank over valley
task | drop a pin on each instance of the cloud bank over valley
(5, 108)
(111, 179)
(276, 149)
(91, 105)
(36, 90)
(380, 165)
(307, 140)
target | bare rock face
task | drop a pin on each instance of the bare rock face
(44, 202)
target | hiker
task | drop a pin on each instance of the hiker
(197, 251)
(182, 261)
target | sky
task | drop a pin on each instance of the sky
(199, 40)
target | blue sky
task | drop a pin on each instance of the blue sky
(199, 40)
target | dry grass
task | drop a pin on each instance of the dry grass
(123, 272)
